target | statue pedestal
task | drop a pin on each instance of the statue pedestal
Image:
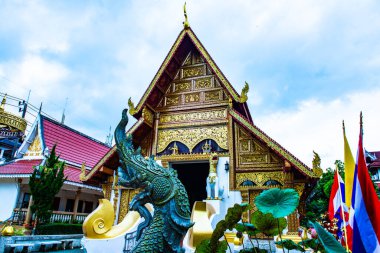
(215, 203)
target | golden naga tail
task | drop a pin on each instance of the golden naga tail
(99, 223)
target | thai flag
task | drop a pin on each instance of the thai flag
(337, 198)
(365, 210)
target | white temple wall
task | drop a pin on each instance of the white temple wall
(9, 189)
(229, 198)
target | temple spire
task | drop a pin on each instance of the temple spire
(186, 22)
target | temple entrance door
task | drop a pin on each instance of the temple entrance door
(193, 176)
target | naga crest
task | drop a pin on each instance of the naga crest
(159, 186)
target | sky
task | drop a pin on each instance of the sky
(310, 64)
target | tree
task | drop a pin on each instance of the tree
(45, 183)
(317, 202)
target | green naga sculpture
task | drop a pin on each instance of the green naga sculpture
(161, 187)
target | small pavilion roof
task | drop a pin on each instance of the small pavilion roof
(72, 145)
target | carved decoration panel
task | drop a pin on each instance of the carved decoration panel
(192, 136)
(35, 148)
(252, 154)
(259, 178)
(194, 71)
(209, 115)
(193, 85)
(148, 116)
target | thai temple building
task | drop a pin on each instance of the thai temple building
(192, 119)
(80, 152)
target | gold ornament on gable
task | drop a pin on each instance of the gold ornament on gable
(252, 155)
(182, 86)
(193, 71)
(194, 116)
(203, 83)
(259, 178)
(192, 136)
(192, 97)
(174, 100)
(148, 116)
(299, 187)
(212, 95)
(35, 148)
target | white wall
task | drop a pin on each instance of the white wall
(229, 198)
(8, 196)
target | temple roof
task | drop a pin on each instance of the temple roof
(19, 166)
(186, 42)
(25, 167)
(272, 144)
(72, 145)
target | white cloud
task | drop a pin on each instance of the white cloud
(33, 72)
(100, 53)
(317, 125)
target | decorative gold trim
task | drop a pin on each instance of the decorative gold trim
(35, 149)
(12, 121)
(186, 24)
(82, 176)
(191, 116)
(231, 138)
(211, 123)
(131, 106)
(259, 178)
(244, 93)
(192, 136)
(148, 116)
(187, 157)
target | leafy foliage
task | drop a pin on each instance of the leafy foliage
(45, 183)
(253, 250)
(230, 220)
(248, 228)
(290, 245)
(311, 243)
(328, 240)
(59, 229)
(267, 224)
(279, 202)
(318, 201)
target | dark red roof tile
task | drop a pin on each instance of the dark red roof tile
(27, 166)
(72, 173)
(72, 145)
(19, 167)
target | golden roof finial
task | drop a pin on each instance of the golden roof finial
(3, 102)
(186, 22)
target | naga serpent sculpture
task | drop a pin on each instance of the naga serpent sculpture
(159, 186)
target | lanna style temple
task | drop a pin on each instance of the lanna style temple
(192, 119)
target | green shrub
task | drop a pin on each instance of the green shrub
(59, 229)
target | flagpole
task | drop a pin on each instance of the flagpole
(342, 210)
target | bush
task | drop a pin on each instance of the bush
(59, 229)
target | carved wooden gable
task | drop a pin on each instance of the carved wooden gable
(193, 86)
(252, 154)
(35, 148)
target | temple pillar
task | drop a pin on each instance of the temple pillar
(76, 201)
(28, 216)
(245, 199)
(107, 188)
(293, 222)
(155, 134)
